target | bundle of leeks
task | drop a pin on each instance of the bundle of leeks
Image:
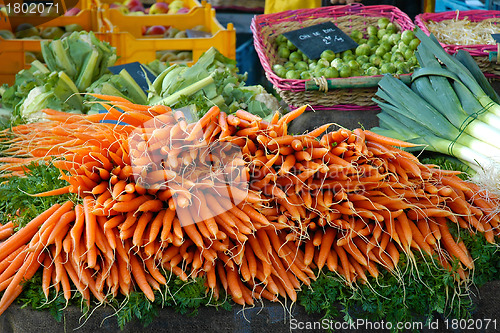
(449, 108)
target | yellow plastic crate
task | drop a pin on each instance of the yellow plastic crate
(132, 46)
(89, 4)
(191, 4)
(12, 51)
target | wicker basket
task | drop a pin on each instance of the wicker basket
(480, 52)
(267, 27)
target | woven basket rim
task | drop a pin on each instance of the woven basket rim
(473, 15)
(304, 15)
(340, 107)
(352, 9)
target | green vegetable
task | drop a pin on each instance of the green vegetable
(73, 64)
(134, 91)
(448, 109)
(68, 92)
(27, 30)
(121, 84)
(85, 77)
(374, 45)
(61, 57)
(156, 66)
(52, 33)
(5, 116)
(212, 80)
(7, 34)
(73, 27)
(37, 99)
(38, 66)
(172, 99)
(173, 77)
(383, 22)
(15, 198)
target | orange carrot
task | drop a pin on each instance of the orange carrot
(132, 205)
(343, 260)
(48, 268)
(153, 205)
(167, 223)
(156, 225)
(452, 247)
(6, 233)
(63, 222)
(75, 278)
(26, 272)
(291, 115)
(325, 248)
(142, 222)
(90, 230)
(140, 277)
(233, 282)
(62, 277)
(419, 238)
(58, 191)
(372, 136)
(13, 266)
(154, 271)
(26, 233)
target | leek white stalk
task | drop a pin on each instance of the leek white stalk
(413, 107)
(428, 141)
(472, 106)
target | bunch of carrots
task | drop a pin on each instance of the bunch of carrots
(233, 198)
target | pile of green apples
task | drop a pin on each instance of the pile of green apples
(382, 49)
(29, 31)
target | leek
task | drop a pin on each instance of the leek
(415, 131)
(457, 67)
(473, 107)
(431, 142)
(433, 80)
(449, 108)
(466, 59)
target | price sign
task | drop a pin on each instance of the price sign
(313, 40)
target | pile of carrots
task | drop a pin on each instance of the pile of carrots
(232, 198)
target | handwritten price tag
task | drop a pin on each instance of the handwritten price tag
(313, 40)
